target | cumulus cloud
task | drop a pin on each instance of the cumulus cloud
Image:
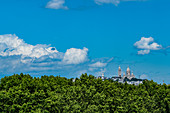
(56, 4)
(17, 56)
(147, 44)
(12, 45)
(75, 56)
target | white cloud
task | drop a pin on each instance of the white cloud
(115, 2)
(60, 4)
(98, 64)
(99, 2)
(92, 69)
(143, 52)
(12, 45)
(147, 44)
(17, 56)
(56, 4)
(75, 56)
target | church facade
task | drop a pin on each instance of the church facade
(128, 74)
(128, 77)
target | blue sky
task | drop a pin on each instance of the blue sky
(70, 37)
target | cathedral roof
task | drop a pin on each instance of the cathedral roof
(119, 68)
(128, 70)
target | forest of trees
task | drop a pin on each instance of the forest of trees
(50, 94)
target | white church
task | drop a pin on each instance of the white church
(128, 77)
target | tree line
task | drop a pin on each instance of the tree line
(50, 94)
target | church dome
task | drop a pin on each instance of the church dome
(119, 68)
(128, 70)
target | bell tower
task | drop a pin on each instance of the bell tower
(102, 76)
(133, 76)
(119, 72)
(128, 72)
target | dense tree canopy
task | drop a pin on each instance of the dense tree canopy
(23, 93)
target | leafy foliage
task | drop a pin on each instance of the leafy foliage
(23, 93)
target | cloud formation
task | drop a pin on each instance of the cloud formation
(115, 2)
(100, 2)
(12, 45)
(56, 4)
(142, 52)
(145, 45)
(98, 64)
(75, 56)
(60, 4)
(17, 56)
